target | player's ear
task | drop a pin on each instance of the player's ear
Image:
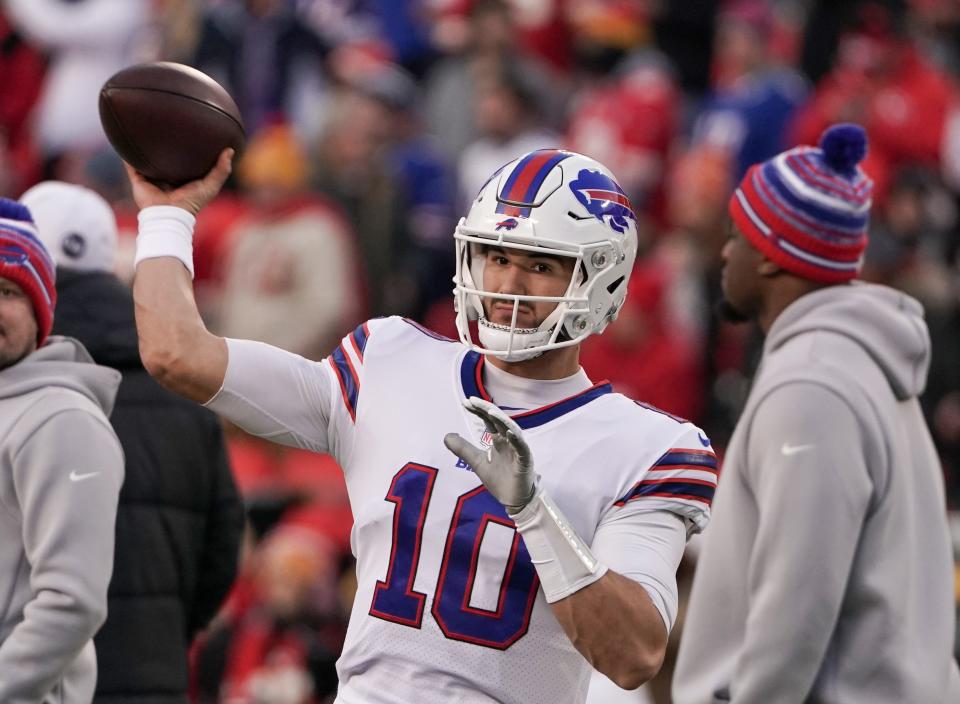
(768, 268)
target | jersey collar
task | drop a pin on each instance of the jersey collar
(471, 380)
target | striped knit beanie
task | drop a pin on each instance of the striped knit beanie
(807, 209)
(25, 261)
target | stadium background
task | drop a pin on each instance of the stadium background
(371, 125)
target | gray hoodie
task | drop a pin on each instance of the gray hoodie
(826, 574)
(61, 468)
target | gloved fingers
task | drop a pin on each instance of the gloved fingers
(521, 447)
(470, 454)
(479, 408)
(495, 419)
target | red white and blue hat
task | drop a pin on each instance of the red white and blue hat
(807, 209)
(25, 261)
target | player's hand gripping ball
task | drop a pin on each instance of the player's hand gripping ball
(505, 468)
(168, 121)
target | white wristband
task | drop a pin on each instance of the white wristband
(563, 561)
(165, 231)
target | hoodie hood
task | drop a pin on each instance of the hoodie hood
(886, 323)
(63, 362)
(97, 308)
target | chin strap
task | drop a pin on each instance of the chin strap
(497, 337)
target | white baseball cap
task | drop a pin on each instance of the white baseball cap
(75, 223)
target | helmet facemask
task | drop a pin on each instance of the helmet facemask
(570, 321)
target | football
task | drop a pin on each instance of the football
(169, 121)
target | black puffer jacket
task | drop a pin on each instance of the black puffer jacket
(179, 521)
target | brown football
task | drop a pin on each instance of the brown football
(169, 121)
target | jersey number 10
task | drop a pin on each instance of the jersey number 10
(394, 598)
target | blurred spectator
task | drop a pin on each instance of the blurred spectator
(603, 32)
(630, 120)
(399, 27)
(881, 81)
(942, 397)
(826, 21)
(177, 25)
(87, 41)
(280, 641)
(489, 45)
(906, 248)
(684, 32)
(268, 59)
(753, 100)
(909, 250)
(644, 353)
(179, 519)
(542, 28)
(698, 189)
(292, 253)
(936, 24)
(352, 168)
(212, 246)
(426, 181)
(267, 472)
(508, 124)
(22, 67)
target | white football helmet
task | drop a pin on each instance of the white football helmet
(551, 202)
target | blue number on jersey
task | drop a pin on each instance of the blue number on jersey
(394, 598)
(451, 607)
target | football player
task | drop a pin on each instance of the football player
(515, 523)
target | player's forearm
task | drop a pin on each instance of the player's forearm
(609, 618)
(175, 346)
(616, 627)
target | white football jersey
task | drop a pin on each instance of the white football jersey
(448, 606)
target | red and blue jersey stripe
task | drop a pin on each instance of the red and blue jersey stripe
(344, 368)
(358, 338)
(678, 474)
(348, 378)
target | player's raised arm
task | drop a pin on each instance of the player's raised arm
(175, 345)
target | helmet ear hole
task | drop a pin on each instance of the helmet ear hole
(615, 285)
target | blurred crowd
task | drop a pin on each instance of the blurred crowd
(372, 124)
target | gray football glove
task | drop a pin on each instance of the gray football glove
(506, 468)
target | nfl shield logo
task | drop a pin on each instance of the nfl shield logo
(486, 439)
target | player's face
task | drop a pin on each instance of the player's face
(18, 326)
(741, 279)
(527, 274)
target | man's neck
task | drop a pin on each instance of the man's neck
(780, 297)
(553, 364)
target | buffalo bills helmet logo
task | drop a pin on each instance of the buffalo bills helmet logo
(603, 199)
(508, 224)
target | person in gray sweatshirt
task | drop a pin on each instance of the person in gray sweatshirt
(61, 468)
(826, 574)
